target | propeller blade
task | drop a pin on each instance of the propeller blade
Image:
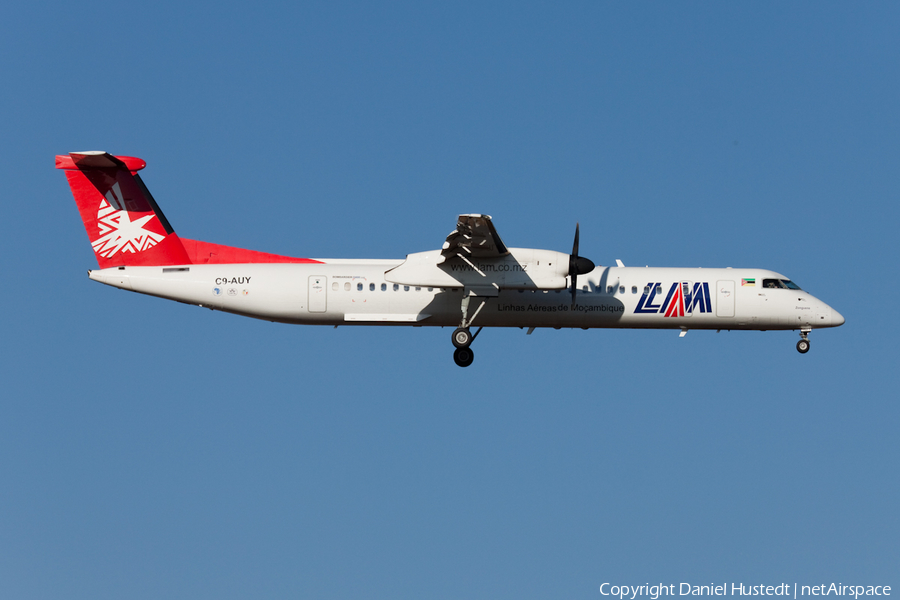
(575, 245)
(578, 265)
(573, 265)
(574, 288)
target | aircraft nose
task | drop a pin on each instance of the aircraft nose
(837, 319)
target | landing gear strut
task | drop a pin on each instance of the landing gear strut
(803, 344)
(462, 338)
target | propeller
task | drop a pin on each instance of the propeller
(578, 265)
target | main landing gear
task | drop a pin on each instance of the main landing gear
(803, 344)
(463, 357)
(462, 338)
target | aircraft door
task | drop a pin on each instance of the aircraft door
(724, 298)
(318, 294)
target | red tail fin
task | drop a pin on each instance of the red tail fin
(123, 221)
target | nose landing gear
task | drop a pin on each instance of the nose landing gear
(803, 344)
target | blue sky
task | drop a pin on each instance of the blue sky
(150, 449)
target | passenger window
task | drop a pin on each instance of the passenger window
(396, 287)
(383, 287)
(431, 289)
(584, 288)
(418, 289)
(659, 289)
(334, 285)
(371, 287)
(634, 289)
(646, 289)
(347, 286)
(359, 287)
(609, 289)
(622, 289)
(405, 288)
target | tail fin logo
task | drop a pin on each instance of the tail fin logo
(118, 233)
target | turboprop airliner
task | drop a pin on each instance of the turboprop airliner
(473, 280)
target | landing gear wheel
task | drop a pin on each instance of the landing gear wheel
(462, 337)
(463, 357)
(803, 346)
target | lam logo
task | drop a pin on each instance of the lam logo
(681, 300)
(118, 233)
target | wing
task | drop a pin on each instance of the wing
(474, 237)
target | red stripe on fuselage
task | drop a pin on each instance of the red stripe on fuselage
(201, 253)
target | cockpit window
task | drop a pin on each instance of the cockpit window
(784, 284)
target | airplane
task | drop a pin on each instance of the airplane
(474, 279)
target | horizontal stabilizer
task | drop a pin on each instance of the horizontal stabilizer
(98, 160)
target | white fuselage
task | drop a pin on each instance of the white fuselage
(360, 292)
